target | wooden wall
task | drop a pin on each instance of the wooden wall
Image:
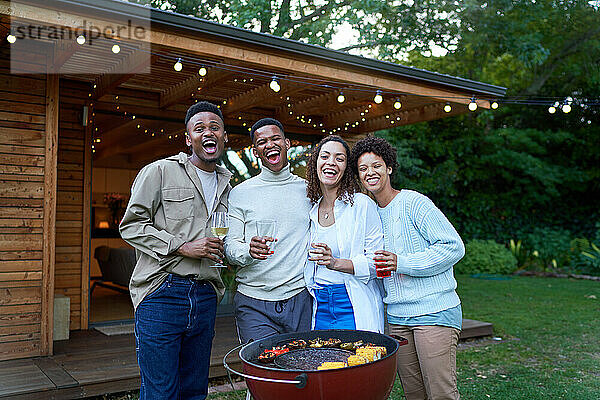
(72, 240)
(27, 153)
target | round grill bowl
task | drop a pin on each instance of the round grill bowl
(372, 381)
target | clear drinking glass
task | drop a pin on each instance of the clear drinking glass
(267, 227)
(219, 227)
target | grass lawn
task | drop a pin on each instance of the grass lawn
(551, 340)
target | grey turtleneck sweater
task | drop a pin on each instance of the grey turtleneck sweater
(281, 197)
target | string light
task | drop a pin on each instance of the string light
(116, 48)
(11, 38)
(341, 98)
(178, 66)
(472, 104)
(397, 104)
(202, 71)
(80, 39)
(378, 97)
(274, 85)
(447, 108)
(566, 108)
(493, 104)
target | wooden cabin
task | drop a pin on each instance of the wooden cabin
(78, 121)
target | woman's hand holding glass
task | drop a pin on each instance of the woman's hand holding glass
(385, 263)
(320, 253)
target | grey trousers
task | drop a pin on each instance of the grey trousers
(256, 319)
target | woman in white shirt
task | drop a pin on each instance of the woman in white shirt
(345, 232)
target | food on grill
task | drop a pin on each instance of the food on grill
(347, 346)
(266, 357)
(296, 344)
(370, 353)
(333, 342)
(382, 349)
(316, 343)
(331, 365)
(358, 344)
(356, 360)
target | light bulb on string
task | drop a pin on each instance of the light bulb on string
(178, 66)
(552, 108)
(472, 104)
(493, 104)
(378, 97)
(341, 98)
(11, 38)
(80, 39)
(447, 107)
(202, 71)
(116, 48)
(566, 108)
(274, 85)
(397, 104)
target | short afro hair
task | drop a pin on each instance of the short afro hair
(203, 106)
(264, 122)
(378, 146)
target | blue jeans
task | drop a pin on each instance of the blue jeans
(174, 329)
(334, 309)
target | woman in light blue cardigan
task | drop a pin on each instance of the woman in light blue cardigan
(422, 247)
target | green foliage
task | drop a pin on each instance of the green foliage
(486, 257)
(551, 245)
(521, 254)
(585, 257)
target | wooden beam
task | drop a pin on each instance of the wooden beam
(425, 113)
(50, 188)
(322, 104)
(63, 51)
(259, 95)
(194, 84)
(134, 63)
(353, 114)
(87, 228)
(130, 142)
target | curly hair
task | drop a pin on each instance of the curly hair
(348, 184)
(376, 145)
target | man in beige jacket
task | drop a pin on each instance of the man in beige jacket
(174, 289)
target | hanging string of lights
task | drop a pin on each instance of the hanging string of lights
(552, 103)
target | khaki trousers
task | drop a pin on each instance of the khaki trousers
(427, 364)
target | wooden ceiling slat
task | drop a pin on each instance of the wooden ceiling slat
(258, 96)
(135, 63)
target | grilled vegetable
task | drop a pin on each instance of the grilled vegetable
(347, 346)
(296, 344)
(333, 342)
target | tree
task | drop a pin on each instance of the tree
(380, 30)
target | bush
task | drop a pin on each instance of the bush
(552, 246)
(486, 257)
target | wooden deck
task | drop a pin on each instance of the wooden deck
(91, 363)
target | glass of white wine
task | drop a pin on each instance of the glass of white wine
(219, 227)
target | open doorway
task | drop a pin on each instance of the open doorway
(112, 259)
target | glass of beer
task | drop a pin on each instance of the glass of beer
(267, 228)
(219, 227)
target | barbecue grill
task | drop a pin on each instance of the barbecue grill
(293, 375)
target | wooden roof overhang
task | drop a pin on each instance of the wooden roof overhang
(240, 66)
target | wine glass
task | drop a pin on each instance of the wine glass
(219, 227)
(267, 227)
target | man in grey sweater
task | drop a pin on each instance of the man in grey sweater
(271, 296)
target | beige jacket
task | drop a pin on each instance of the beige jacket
(166, 210)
